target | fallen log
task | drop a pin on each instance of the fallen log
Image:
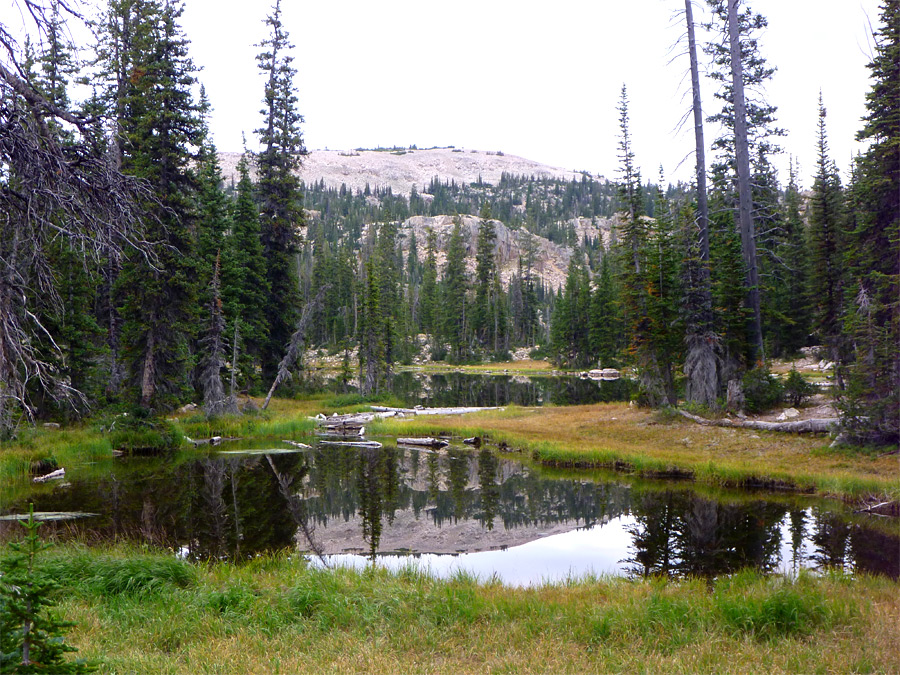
(59, 474)
(353, 444)
(297, 444)
(345, 429)
(431, 411)
(817, 425)
(426, 442)
(215, 440)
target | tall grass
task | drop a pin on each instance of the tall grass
(179, 618)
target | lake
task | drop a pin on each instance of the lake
(456, 509)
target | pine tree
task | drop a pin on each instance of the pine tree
(428, 310)
(569, 334)
(371, 339)
(606, 329)
(388, 275)
(245, 288)
(278, 188)
(454, 322)
(701, 359)
(749, 127)
(665, 292)
(635, 246)
(160, 126)
(31, 637)
(788, 317)
(871, 407)
(485, 274)
(826, 213)
(215, 402)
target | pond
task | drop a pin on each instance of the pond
(456, 509)
(471, 389)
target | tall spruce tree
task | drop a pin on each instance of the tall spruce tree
(485, 276)
(635, 246)
(278, 188)
(607, 334)
(826, 241)
(871, 406)
(160, 127)
(245, 288)
(788, 298)
(454, 319)
(428, 309)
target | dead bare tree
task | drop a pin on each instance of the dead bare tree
(297, 508)
(49, 192)
(701, 361)
(295, 347)
(742, 160)
(214, 400)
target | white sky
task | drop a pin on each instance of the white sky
(535, 79)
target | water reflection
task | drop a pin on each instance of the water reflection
(488, 513)
(464, 389)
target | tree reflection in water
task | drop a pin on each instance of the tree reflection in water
(235, 507)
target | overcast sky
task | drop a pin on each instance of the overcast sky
(535, 79)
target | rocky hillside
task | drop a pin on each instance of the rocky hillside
(551, 260)
(401, 169)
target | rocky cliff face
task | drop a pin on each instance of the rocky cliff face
(551, 260)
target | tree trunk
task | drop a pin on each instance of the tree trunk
(745, 197)
(148, 387)
(701, 361)
(817, 425)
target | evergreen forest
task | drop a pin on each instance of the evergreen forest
(133, 275)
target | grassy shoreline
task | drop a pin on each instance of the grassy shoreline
(275, 614)
(615, 436)
(627, 439)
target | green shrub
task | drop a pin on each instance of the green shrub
(762, 390)
(138, 433)
(796, 388)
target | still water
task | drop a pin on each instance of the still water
(467, 389)
(457, 509)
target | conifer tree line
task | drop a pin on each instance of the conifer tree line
(197, 282)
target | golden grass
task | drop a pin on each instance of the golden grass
(604, 434)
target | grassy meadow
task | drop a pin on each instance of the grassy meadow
(136, 611)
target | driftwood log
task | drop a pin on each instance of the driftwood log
(817, 425)
(59, 474)
(430, 411)
(297, 444)
(353, 444)
(426, 442)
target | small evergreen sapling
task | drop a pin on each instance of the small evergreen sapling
(31, 635)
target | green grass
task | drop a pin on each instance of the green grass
(136, 611)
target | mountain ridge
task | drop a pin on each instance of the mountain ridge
(402, 168)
